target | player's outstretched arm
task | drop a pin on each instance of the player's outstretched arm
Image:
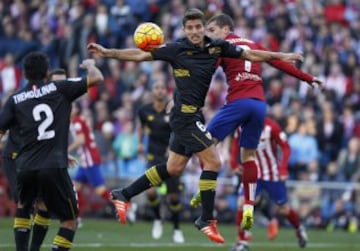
(94, 75)
(123, 54)
(260, 56)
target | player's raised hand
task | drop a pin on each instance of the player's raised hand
(86, 63)
(96, 49)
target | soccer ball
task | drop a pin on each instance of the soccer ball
(148, 36)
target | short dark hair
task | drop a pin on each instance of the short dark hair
(193, 14)
(59, 71)
(35, 65)
(222, 20)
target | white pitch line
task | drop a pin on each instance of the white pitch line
(208, 244)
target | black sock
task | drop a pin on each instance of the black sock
(39, 229)
(154, 176)
(207, 187)
(22, 226)
(63, 240)
(175, 208)
(155, 206)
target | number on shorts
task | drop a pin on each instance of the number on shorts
(43, 134)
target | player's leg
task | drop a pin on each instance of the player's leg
(40, 226)
(278, 194)
(27, 191)
(154, 203)
(79, 180)
(59, 196)
(173, 198)
(263, 204)
(9, 168)
(250, 135)
(207, 188)
(96, 179)
(244, 236)
(154, 176)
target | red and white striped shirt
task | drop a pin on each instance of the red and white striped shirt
(88, 152)
(272, 154)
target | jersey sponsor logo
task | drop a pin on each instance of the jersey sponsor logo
(150, 118)
(35, 93)
(247, 76)
(180, 73)
(214, 50)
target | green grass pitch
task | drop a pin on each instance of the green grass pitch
(108, 235)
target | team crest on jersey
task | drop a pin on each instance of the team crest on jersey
(150, 117)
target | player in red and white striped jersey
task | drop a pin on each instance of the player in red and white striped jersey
(89, 156)
(270, 168)
(272, 174)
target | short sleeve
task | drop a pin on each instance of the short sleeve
(72, 88)
(167, 52)
(7, 115)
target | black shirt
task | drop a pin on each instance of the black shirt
(41, 112)
(193, 67)
(158, 127)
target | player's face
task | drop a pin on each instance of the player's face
(195, 31)
(159, 91)
(57, 77)
(215, 31)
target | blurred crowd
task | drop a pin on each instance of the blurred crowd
(323, 128)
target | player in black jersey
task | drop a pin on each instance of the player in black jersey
(155, 124)
(41, 112)
(193, 60)
(41, 220)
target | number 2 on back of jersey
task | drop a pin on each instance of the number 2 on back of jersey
(247, 63)
(43, 133)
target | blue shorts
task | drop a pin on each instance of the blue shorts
(91, 175)
(275, 189)
(248, 113)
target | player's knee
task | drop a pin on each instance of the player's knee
(213, 165)
(283, 209)
(175, 170)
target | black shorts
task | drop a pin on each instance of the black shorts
(10, 173)
(191, 138)
(53, 186)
